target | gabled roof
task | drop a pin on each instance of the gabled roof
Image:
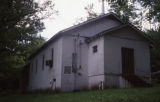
(120, 27)
(63, 32)
(112, 15)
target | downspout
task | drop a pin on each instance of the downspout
(75, 62)
(76, 46)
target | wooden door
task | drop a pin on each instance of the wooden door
(127, 61)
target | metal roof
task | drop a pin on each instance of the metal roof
(63, 32)
(123, 26)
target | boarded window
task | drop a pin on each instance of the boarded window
(127, 61)
(95, 49)
(67, 70)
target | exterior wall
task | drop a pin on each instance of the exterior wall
(113, 64)
(67, 50)
(42, 79)
(92, 68)
(124, 83)
(82, 73)
(79, 80)
(63, 49)
(96, 63)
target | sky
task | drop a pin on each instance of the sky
(68, 12)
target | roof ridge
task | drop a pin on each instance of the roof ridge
(58, 34)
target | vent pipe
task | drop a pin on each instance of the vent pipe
(103, 7)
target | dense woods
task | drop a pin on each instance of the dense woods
(20, 25)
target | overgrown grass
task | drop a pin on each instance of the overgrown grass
(108, 95)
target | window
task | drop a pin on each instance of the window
(94, 49)
(67, 70)
(50, 61)
(43, 62)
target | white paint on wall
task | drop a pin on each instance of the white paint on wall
(113, 59)
(96, 62)
(92, 67)
(78, 80)
(42, 79)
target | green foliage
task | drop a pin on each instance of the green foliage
(154, 8)
(108, 95)
(137, 11)
(90, 14)
(155, 51)
(20, 22)
(125, 9)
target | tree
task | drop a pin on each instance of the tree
(123, 8)
(90, 14)
(155, 55)
(137, 12)
(20, 23)
(153, 16)
(154, 11)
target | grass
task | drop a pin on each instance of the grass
(109, 95)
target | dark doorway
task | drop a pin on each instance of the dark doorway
(127, 61)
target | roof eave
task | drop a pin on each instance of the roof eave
(122, 26)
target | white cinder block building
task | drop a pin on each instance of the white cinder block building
(103, 50)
